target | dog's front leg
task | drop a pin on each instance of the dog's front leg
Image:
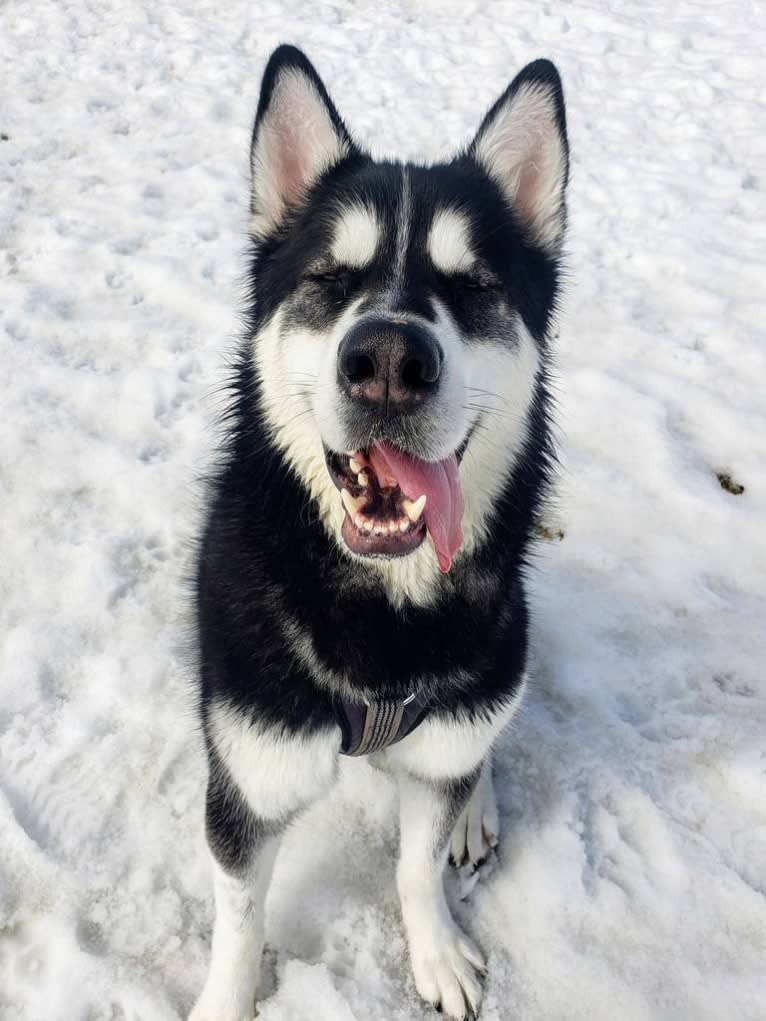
(447, 966)
(243, 848)
(259, 780)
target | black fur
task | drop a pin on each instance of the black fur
(265, 557)
(234, 832)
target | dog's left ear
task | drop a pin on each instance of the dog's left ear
(297, 137)
(522, 145)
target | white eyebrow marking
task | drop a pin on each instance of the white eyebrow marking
(357, 234)
(448, 242)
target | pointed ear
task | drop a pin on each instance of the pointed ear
(297, 137)
(522, 145)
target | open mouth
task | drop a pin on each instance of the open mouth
(393, 500)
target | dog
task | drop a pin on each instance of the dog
(360, 583)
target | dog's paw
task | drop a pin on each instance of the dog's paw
(464, 880)
(476, 832)
(449, 973)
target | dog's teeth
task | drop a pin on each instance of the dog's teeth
(404, 525)
(362, 523)
(355, 466)
(393, 527)
(353, 504)
(381, 530)
(363, 480)
(413, 509)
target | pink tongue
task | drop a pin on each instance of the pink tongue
(444, 498)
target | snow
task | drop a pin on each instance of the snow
(632, 876)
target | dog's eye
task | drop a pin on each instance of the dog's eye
(477, 282)
(334, 279)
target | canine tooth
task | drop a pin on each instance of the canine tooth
(355, 466)
(363, 479)
(352, 503)
(413, 509)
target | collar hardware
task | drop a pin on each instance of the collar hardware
(369, 727)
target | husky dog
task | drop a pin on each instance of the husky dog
(360, 583)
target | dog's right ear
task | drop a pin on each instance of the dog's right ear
(297, 137)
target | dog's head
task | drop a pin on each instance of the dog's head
(401, 311)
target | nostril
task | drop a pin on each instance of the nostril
(420, 371)
(358, 368)
(413, 373)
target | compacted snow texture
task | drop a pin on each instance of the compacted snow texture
(632, 873)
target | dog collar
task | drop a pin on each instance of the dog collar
(371, 726)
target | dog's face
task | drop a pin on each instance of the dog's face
(402, 310)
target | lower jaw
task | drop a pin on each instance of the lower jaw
(393, 545)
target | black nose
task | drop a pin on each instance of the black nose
(389, 363)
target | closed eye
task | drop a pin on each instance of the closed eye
(332, 275)
(481, 281)
(334, 282)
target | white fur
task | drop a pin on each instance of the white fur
(476, 830)
(356, 239)
(449, 242)
(276, 773)
(446, 965)
(442, 749)
(494, 382)
(523, 151)
(296, 143)
(297, 373)
(302, 404)
(504, 380)
(289, 366)
(297, 369)
(444, 961)
(238, 937)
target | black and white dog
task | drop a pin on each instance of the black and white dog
(360, 586)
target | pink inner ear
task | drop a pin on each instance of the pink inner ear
(293, 172)
(297, 142)
(294, 128)
(529, 186)
(302, 141)
(523, 151)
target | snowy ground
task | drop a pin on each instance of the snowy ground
(632, 879)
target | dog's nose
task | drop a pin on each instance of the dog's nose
(393, 364)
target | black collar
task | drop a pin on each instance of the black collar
(371, 726)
